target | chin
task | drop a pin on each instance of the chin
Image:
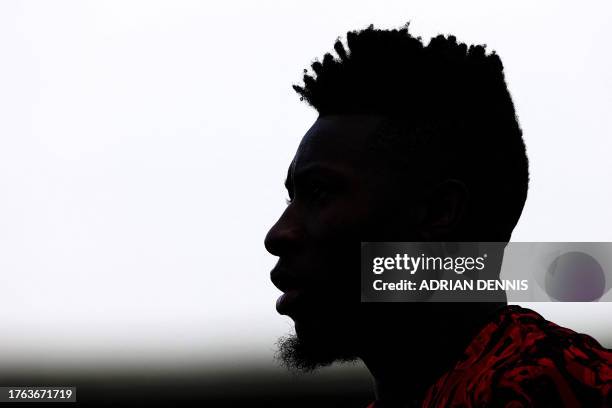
(314, 330)
(327, 336)
(308, 351)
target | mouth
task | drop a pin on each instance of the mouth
(288, 302)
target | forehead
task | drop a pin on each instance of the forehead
(337, 140)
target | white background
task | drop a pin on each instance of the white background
(143, 146)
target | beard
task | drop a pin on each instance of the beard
(327, 330)
(302, 357)
(317, 345)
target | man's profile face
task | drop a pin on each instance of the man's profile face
(340, 193)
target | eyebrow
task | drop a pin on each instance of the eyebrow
(309, 169)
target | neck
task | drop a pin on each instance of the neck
(404, 363)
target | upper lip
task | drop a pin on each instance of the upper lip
(284, 280)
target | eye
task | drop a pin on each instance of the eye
(310, 191)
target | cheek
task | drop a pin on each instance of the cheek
(341, 220)
(338, 276)
(334, 251)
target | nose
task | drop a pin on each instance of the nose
(284, 236)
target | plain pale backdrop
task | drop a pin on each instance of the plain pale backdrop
(143, 146)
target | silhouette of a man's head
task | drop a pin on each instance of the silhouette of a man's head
(413, 142)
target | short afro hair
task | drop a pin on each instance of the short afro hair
(454, 93)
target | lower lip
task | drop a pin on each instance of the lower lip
(286, 302)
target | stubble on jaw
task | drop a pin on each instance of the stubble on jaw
(300, 356)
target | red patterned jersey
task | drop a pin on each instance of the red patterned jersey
(520, 359)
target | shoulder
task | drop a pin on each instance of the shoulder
(519, 359)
